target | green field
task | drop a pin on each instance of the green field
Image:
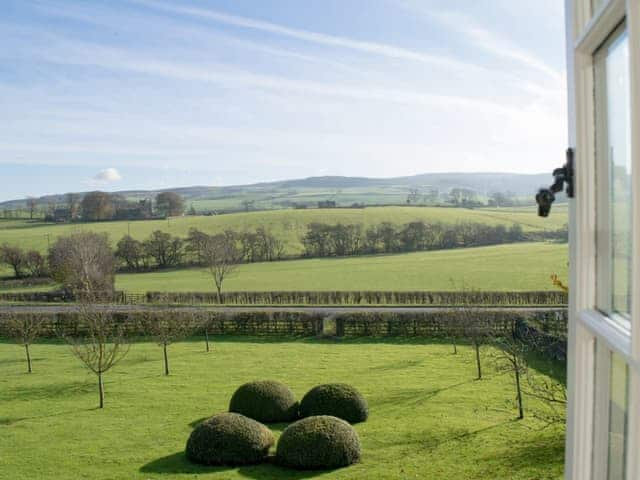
(429, 418)
(522, 266)
(288, 225)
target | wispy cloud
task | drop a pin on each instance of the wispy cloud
(141, 83)
(82, 53)
(374, 48)
(483, 38)
(493, 44)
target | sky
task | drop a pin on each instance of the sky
(143, 94)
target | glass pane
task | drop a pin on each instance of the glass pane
(614, 164)
(595, 5)
(618, 418)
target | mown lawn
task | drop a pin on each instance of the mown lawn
(523, 266)
(429, 418)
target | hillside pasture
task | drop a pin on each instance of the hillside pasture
(523, 266)
(289, 225)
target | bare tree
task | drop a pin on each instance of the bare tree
(32, 203)
(204, 320)
(72, 205)
(221, 256)
(471, 326)
(169, 204)
(552, 394)
(103, 343)
(14, 257)
(84, 263)
(510, 357)
(166, 328)
(247, 204)
(25, 329)
(164, 248)
(131, 252)
(97, 206)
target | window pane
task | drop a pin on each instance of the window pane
(618, 417)
(614, 172)
(595, 5)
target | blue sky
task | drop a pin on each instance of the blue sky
(121, 94)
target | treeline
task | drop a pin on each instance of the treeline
(324, 240)
(23, 263)
(163, 250)
(102, 206)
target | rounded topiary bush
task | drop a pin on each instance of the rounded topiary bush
(317, 443)
(229, 439)
(266, 401)
(335, 399)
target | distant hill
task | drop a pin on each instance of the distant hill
(484, 183)
(343, 190)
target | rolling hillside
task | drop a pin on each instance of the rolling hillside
(288, 225)
(483, 268)
(344, 191)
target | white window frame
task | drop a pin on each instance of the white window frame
(587, 415)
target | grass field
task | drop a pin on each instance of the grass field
(429, 418)
(289, 225)
(523, 266)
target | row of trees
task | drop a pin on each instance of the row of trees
(24, 263)
(163, 250)
(102, 343)
(101, 206)
(323, 240)
(459, 197)
(85, 261)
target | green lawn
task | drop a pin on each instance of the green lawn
(288, 225)
(429, 417)
(523, 266)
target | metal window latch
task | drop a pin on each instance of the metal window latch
(566, 174)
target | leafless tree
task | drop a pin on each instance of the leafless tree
(97, 206)
(32, 203)
(35, 263)
(169, 204)
(14, 257)
(510, 357)
(99, 343)
(552, 394)
(84, 263)
(166, 328)
(165, 249)
(25, 329)
(131, 252)
(470, 324)
(221, 256)
(204, 321)
(72, 205)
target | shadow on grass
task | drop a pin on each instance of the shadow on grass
(8, 421)
(177, 463)
(400, 365)
(414, 396)
(14, 361)
(545, 450)
(222, 339)
(49, 391)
